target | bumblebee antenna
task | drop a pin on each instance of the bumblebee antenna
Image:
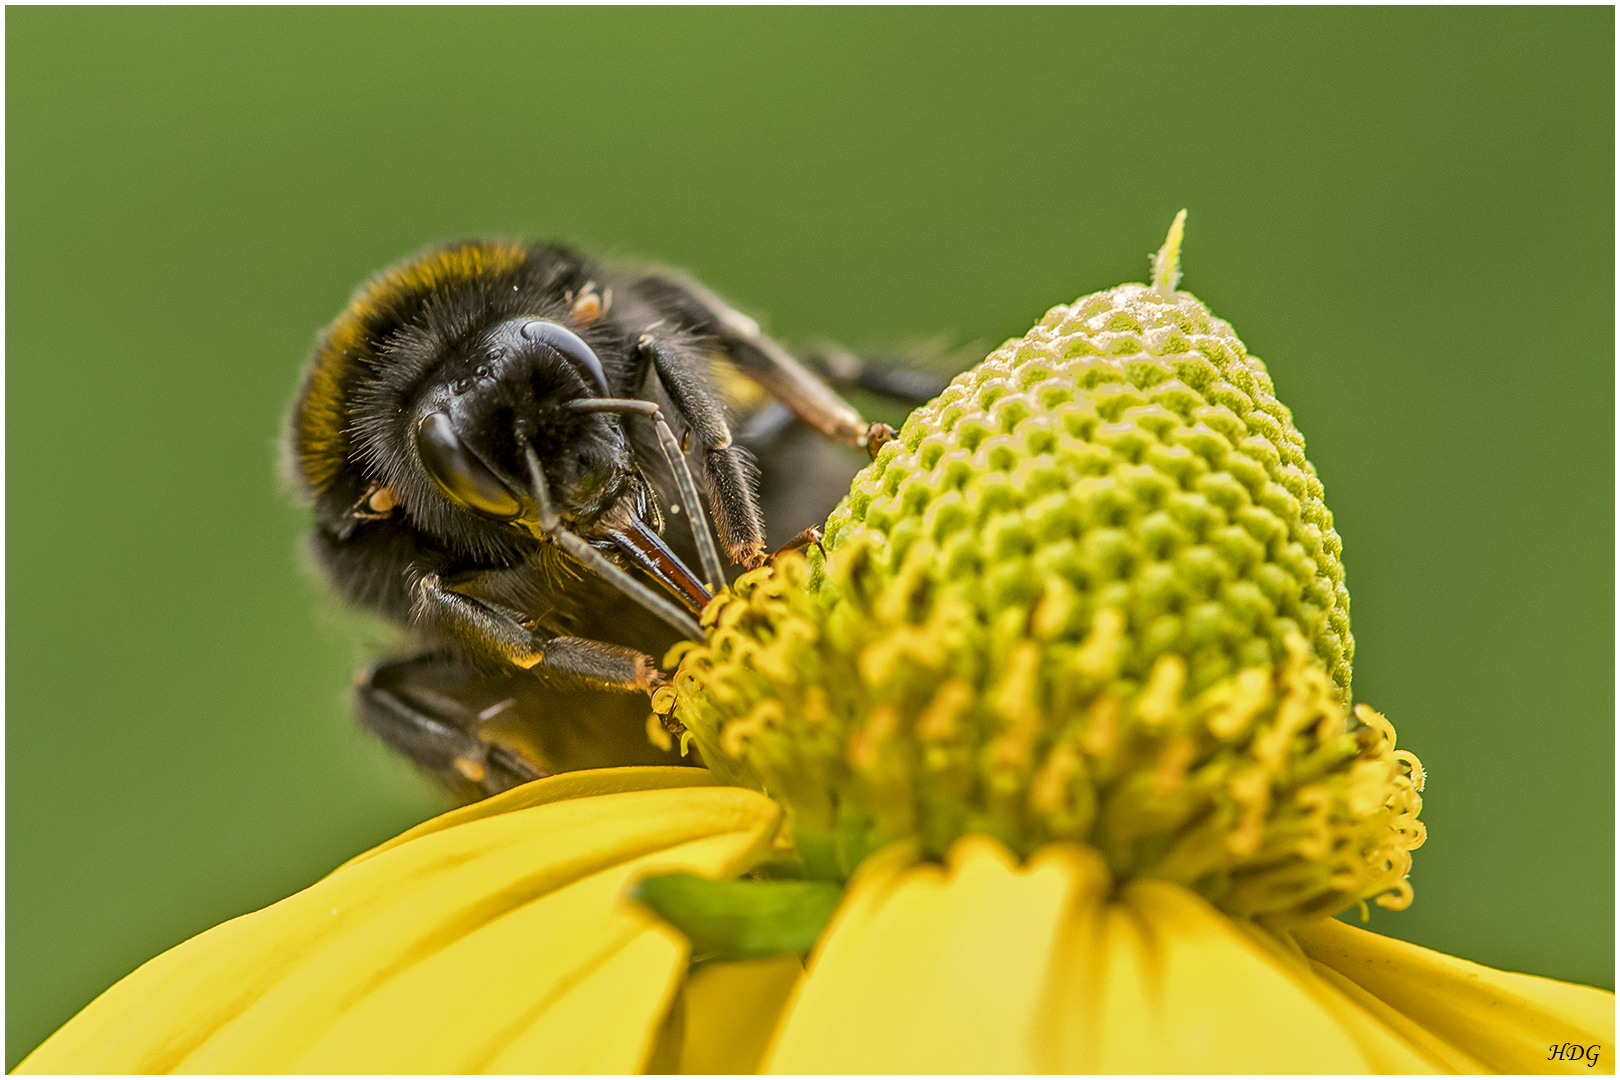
(551, 525)
(708, 555)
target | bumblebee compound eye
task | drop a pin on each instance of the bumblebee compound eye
(566, 344)
(459, 474)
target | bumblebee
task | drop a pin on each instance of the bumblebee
(488, 438)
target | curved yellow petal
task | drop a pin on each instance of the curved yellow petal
(1125, 997)
(1440, 1055)
(582, 784)
(445, 953)
(607, 1021)
(729, 1010)
(1069, 1026)
(932, 969)
(1185, 990)
(1510, 1022)
(1390, 1042)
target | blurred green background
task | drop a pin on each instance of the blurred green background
(1408, 214)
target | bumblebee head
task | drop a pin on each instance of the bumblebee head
(470, 423)
(512, 397)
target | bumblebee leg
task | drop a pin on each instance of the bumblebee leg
(766, 425)
(420, 706)
(569, 660)
(597, 664)
(845, 369)
(757, 356)
(493, 630)
(675, 457)
(480, 733)
(551, 527)
(732, 476)
(810, 537)
(785, 378)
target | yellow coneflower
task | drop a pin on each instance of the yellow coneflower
(1090, 593)
(499, 939)
(1059, 733)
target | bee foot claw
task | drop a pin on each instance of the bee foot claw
(810, 537)
(878, 435)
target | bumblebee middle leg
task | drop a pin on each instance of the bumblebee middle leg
(565, 660)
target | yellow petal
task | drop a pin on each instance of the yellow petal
(570, 785)
(1440, 1055)
(1069, 1024)
(1510, 1022)
(1390, 1042)
(730, 1010)
(473, 934)
(565, 983)
(1127, 1033)
(931, 969)
(1186, 991)
(606, 1022)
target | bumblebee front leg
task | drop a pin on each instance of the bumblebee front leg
(732, 476)
(564, 660)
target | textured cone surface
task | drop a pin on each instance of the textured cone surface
(1130, 446)
(1090, 593)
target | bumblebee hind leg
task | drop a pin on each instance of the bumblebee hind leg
(436, 711)
(894, 381)
(480, 732)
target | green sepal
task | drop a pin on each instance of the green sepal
(858, 837)
(819, 853)
(737, 920)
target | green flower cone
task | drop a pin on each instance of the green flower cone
(1090, 593)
